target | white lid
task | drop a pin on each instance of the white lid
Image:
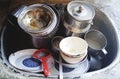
(80, 11)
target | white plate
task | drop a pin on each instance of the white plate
(23, 60)
(81, 69)
(16, 59)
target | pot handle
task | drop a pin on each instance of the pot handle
(17, 12)
(12, 18)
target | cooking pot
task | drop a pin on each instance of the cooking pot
(78, 16)
(40, 21)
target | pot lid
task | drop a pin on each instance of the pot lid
(80, 10)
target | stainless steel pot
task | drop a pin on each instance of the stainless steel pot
(78, 17)
(40, 21)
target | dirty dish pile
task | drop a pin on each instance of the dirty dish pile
(40, 21)
(32, 60)
(72, 52)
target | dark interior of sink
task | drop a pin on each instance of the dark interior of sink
(13, 38)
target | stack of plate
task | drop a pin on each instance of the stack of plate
(23, 60)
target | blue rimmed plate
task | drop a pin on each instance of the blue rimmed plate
(23, 60)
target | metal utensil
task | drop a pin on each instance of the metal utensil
(60, 68)
(96, 41)
(78, 17)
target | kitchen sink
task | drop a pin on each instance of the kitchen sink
(13, 38)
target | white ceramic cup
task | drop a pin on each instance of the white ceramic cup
(73, 49)
(73, 60)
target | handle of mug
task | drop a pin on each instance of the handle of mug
(104, 51)
(12, 18)
(17, 12)
(45, 67)
(102, 54)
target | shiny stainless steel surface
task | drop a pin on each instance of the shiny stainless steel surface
(40, 21)
(96, 40)
(78, 17)
(30, 19)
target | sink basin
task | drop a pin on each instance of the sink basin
(13, 38)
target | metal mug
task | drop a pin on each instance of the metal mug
(96, 41)
(78, 17)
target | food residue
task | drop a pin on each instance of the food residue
(38, 18)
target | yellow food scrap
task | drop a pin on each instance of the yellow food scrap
(34, 25)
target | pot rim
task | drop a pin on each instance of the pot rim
(45, 31)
